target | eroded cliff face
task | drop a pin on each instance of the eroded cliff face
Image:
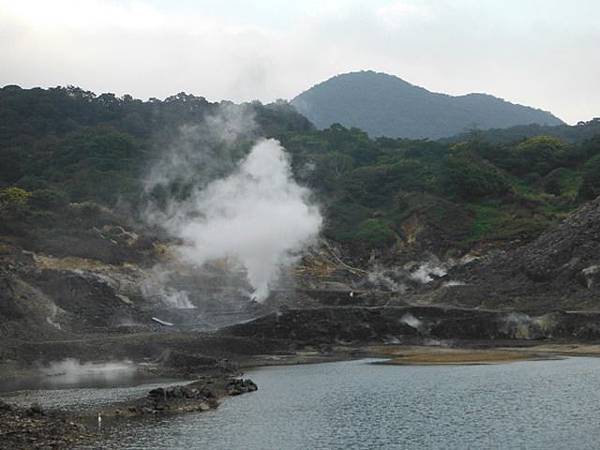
(110, 280)
(43, 295)
(432, 225)
(545, 290)
(559, 270)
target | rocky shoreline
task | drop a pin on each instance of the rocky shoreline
(212, 362)
(200, 395)
(37, 428)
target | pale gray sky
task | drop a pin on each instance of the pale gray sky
(542, 53)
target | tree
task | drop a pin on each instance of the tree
(590, 187)
(49, 199)
(13, 199)
(538, 154)
(375, 233)
(471, 177)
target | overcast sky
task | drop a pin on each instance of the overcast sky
(542, 53)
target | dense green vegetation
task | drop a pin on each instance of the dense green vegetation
(63, 146)
(97, 147)
(502, 136)
(385, 105)
(467, 191)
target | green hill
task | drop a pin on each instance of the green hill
(385, 105)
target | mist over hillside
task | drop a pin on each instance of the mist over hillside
(385, 105)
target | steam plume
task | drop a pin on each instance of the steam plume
(258, 216)
(248, 211)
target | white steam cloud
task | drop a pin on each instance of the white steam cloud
(258, 216)
(387, 278)
(411, 321)
(156, 285)
(202, 151)
(426, 272)
(71, 371)
(230, 204)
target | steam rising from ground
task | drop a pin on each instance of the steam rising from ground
(387, 278)
(426, 272)
(156, 285)
(415, 273)
(411, 321)
(246, 211)
(201, 152)
(71, 371)
(258, 216)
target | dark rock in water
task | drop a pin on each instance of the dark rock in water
(197, 396)
(35, 410)
(157, 393)
(5, 406)
(207, 392)
(237, 387)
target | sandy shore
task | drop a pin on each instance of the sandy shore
(402, 354)
(434, 355)
(451, 356)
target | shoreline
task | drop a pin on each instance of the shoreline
(69, 427)
(37, 427)
(402, 354)
(461, 357)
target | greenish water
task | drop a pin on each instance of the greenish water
(356, 405)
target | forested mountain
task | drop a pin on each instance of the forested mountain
(64, 145)
(385, 105)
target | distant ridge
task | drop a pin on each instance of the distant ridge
(385, 105)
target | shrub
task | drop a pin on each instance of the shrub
(471, 178)
(538, 154)
(375, 233)
(13, 198)
(49, 199)
(590, 187)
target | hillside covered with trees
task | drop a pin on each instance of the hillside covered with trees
(64, 146)
(385, 105)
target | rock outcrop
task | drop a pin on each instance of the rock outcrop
(415, 325)
(201, 395)
(559, 270)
